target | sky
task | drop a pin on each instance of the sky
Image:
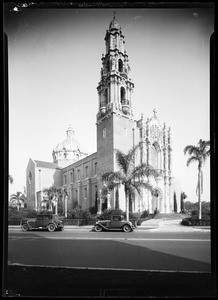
(54, 62)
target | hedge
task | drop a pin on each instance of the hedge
(195, 222)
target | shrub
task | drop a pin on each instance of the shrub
(15, 216)
(194, 221)
(79, 213)
(194, 212)
(156, 211)
(139, 222)
(93, 210)
(145, 214)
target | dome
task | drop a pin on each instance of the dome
(114, 24)
(69, 149)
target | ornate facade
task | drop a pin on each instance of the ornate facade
(117, 129)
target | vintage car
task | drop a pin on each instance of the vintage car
(51, 222)
(115, 223)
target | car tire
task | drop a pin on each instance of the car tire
(126, 228)
(25, 227)
(61, 228)
(51, 227)
(98, 228)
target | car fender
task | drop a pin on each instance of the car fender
(102, 226)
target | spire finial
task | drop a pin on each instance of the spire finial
(114, 14)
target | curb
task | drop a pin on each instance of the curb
(140, 228)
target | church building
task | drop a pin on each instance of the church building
(78, 173)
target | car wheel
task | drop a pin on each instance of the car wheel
(127, 228)
(61, 228)
(98, 228)
(25, 227)
(51, 227)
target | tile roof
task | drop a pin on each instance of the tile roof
(45, 164)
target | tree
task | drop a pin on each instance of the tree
(130, 176)
(175, 202)
(198, 154)
(17, 200)
(183, 196)
(54, 196)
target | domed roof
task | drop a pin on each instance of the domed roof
(114, 24)
(70, 143)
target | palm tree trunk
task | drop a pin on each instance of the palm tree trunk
(199, 193)
(127, 206)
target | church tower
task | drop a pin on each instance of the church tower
(115, 121)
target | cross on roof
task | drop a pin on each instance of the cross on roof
(155, 112)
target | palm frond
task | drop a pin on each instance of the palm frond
(146, 186)
(191, 150)
(125, 160)
(192, 159)
(144, 170)
(122, 161)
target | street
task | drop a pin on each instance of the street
(142, 250)
(82, 263)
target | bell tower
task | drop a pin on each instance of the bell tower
(115, 122)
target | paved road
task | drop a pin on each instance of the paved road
(142, 250)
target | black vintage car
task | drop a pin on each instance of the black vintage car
(116, 222)
(51, 222)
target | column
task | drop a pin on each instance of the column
(108, 200)
(100, 203)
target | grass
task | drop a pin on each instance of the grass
(174, 216)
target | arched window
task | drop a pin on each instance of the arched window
(120, 65)
(122, 94)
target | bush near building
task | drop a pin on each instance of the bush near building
(193, 209)
(15, 216)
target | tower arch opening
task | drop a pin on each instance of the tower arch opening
(122, 94)
(120, 65)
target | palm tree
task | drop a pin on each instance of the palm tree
(54, 194)
(17, 199)
(129, 175)
(198, 154)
